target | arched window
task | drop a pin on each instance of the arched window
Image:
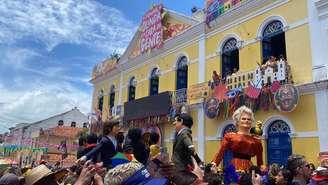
(73, 124)
(100, 100)
(60, 123)
(279, 142)
(182, 73)
(132, 89)
(229, 57)
(228, 154)
(111, 97)
(273, 42)
(154, 82)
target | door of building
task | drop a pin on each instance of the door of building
(279, 143)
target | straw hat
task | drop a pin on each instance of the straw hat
(120, 173)
(37, 173)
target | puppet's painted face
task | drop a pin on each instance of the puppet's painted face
(286, 98)
(211, 108)
(245, 121)
(212, 105)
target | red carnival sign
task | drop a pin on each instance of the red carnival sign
(152, 29)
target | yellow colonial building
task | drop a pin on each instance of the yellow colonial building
(179, 55)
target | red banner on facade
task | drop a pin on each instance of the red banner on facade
(152, 29)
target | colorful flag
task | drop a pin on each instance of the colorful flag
(252, 91)
(220, 92)
(233, 92)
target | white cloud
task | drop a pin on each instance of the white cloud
(70, 21)
(39, 102)
(37, 85)
(18, 59)
(15, 57)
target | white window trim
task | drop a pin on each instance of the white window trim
(267, 21)
(273, 118)
(226, 38)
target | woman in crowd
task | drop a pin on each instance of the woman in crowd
(284, 177)
(140, 151)
(243, 145)
(153, 144)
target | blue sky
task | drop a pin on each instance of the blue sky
(49, 47)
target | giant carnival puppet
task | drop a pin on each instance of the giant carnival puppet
(243, 145)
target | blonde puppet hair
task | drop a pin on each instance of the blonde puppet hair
(243, 109)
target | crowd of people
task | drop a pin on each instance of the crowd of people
(118, 158)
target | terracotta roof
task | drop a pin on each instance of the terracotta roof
(64, 131)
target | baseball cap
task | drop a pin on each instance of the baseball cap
(142, 177)
(319, 178)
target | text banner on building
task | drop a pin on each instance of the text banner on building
(152, 29)
(214, 8)
(198, 91)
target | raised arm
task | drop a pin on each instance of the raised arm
(219, 155)
(95, 151)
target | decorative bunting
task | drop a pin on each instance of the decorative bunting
(233, 92)
(13, 148)
(252, 91)
(215, 8)
(220, 92)
(28, 142)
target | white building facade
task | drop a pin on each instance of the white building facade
(318, 21)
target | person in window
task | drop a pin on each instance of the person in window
(243, 145)
(107, 145)
(235, 71)
(271, 63)
(184, 150)
(299, 168)
(216, 78)
(282, 58)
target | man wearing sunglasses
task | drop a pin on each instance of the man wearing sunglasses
(300, 169)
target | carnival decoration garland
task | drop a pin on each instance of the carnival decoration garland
(13, 148)
(220, 92)
(275, 96)
(28, 142)
(215, 8)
